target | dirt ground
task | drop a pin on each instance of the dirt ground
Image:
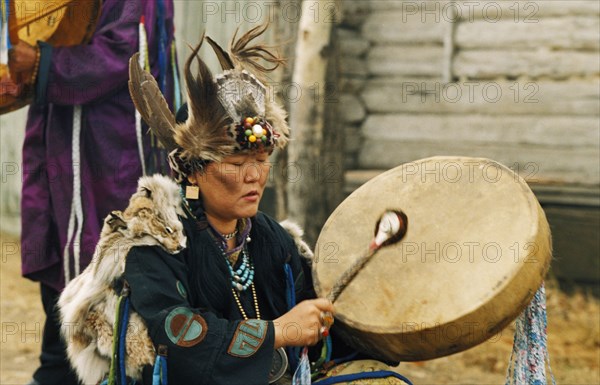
(573, 337)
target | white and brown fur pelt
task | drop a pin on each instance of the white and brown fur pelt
(88, 303)
(297, 233)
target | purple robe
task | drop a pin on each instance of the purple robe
(95, 77)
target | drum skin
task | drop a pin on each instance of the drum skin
(477, 249)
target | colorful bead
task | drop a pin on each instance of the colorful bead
(247, 126)
(252, 138)
(248, 132)
(327, 319)
(257, 130)
(249, 120)
(264, 139)
(264, 132)
(243, 277)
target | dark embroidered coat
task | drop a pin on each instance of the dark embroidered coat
(207, 340)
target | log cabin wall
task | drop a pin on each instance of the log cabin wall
(514, 81)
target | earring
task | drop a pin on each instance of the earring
(192, 192)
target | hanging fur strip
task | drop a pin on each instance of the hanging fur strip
(88, 303)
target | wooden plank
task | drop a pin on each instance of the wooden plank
(351, 109)
(559, 131)
(352, 44)
(353, 12)
(535, 163)
(385, 27)
(401, 60)
(353, 66)
(492, 64)
(524, 10)
(576, 97)
(572, 33)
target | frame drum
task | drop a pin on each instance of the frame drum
(477, 249)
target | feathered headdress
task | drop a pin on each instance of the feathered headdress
(227, 114)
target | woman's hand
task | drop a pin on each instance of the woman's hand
(301, 326)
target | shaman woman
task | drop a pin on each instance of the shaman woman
(222, 310)
(218, 309)
(235, 303)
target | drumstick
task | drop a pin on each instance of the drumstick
(391, 227)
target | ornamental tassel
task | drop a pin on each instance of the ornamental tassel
(302, 374)
(530, 351)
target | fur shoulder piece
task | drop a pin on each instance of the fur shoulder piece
(297, 233)
(88, 303)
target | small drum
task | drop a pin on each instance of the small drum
(477, 249)
(58, 22)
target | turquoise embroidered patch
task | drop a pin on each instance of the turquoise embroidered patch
(181, 289)
(248, 338)
(184, 327)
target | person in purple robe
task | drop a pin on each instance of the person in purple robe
(84, 148)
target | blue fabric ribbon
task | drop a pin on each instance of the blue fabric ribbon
(159, 373)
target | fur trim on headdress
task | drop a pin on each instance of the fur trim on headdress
(88, 303)
(227, 114)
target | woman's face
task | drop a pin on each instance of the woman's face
(232, 189)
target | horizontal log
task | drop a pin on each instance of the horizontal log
(387, 27)
(352, 43)
(577, 97)
(535, 163)
(405, 60)
(352, 66)
(487, 9)
(559, 131)
(352, 138)
(492, 64)
(351, 109)
(353, 12)
(572, 33)
(352, 84)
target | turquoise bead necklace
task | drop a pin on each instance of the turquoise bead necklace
(242, 277)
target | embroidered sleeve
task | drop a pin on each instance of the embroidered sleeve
(200, 345)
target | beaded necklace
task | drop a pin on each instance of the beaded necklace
(243, 276)
(230, 235)
(239, 303)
